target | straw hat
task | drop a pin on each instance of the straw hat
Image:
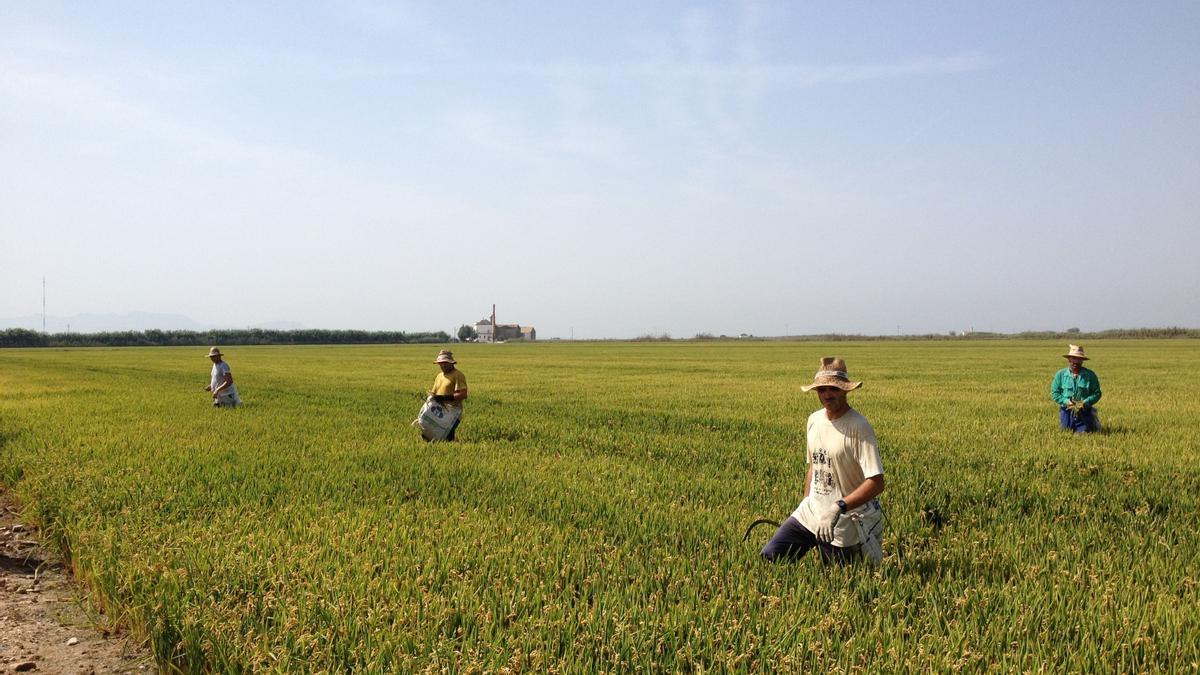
(445, 356)
(1075, 350)
(215, 352)
(832, 374)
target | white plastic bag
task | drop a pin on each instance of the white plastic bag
(868, 521)
(436, 420)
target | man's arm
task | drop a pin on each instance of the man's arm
(808, 480)
(1091, 400)
(460, 387)
(870, 489)
(224, 384)
(1056, 392)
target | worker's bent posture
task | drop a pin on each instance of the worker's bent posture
(224, 391)
(449, 386)
(839, 514)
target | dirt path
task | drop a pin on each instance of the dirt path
(43, 628)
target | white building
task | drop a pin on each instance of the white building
(487, 330)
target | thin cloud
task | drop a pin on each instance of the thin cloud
(789, 75)
(715, 105)
(88, 98)
(407, 20)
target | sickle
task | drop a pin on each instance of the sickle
(760, 521)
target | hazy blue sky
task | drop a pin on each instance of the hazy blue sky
(611, 168)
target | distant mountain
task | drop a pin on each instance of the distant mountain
(136, 321)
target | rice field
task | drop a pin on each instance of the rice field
(591, 519)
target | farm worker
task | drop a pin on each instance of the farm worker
(1076, 390)
(449, 386)
(224, 391)
(839, 514)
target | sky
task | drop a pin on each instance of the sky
(604, 169)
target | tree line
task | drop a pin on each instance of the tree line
(22, 337)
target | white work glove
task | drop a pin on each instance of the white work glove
(826, 523)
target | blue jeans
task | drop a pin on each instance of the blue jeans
(1082, 422)
(792, 540)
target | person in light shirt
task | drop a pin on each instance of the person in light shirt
(840, 513)
(224, 391)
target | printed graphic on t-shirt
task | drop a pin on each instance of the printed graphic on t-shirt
(822, 480)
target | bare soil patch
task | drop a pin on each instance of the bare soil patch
(43, 626)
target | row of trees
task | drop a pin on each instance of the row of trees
(21, 337)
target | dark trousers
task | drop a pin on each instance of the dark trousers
(450, 436)
(1081, 422)
(792, 540)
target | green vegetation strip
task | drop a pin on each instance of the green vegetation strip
(592, 517)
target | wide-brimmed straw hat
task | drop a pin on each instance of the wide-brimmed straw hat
(1076, 351)
(215, 352)
(832, 374)
(445, 356)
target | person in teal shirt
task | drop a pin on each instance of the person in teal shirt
(1076, 390)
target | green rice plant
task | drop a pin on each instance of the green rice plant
(591, 517)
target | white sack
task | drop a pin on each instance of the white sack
(436, 420)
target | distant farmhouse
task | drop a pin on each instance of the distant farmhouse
(488, 330)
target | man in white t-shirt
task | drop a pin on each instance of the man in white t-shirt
(224, 391)
(840, 514)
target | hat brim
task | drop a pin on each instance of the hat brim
(450, 361)
(1078, 356)
(844, 385)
